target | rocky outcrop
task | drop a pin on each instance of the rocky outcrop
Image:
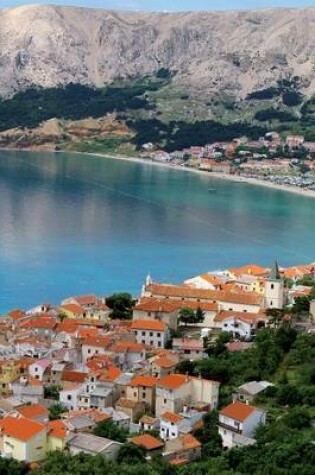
(235, 52)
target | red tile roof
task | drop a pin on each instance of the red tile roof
(189, 441)
(86, 299)
(22, 429)
(110, 374)
(73, 308)
(57, 429)
(184, 291)
(32, 411)
(173, 381)
(164, 362)
(238, 411)
(150, 304)
(45, 323)
(125, 346)
(98, 341)
(148, 325)
(74, 376)
(147, 381)
(244, 316)
(147, 441)
(16, 314)
(171, 417)
(68, 325)
(251, 269)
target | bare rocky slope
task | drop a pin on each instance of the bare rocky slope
(235, 52)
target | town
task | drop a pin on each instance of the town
(104, 375)
(289, 162)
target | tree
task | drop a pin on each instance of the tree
(301, 305)
(130, 453)
(121, 305)
(275, 316)
(186, 316)
(297, 418)
(109, 430)
(52, 392)
(199, 315)
(208, 435)
(56, 410)
(12, 467)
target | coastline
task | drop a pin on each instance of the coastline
(220, 176)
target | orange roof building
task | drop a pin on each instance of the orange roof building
(34, 411)
(152, 325)
(144, 381)
(238, 411)
(147, 442)
(173, 381)
(22, 429)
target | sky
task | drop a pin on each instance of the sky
(168, 5)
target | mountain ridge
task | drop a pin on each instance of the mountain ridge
(231, 52)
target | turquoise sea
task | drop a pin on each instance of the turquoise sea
(74, 224)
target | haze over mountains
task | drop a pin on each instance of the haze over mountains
(210, 52)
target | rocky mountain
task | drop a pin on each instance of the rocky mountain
(235, 52)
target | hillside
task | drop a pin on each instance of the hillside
(233, 52)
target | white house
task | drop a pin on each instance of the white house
(238, 423)
(240, 324)
(69, 395)
(38, 369)
(173, 425)
(175, 391)
(151, 333)
(92, 346)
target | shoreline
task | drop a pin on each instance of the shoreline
(221, 176)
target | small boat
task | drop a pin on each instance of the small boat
(212, 190)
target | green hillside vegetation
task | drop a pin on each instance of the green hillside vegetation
(158, 112)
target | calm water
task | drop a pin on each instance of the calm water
(73, 224)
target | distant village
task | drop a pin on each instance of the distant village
(288, 162)
(65, 369)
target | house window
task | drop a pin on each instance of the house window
(151, 343)
(143, 333)
(89, 351)
(143, 395)
(158, 335)
(134, 394)
(36, 369)
(159, 344)
(165, 401)
(151, 333)
(173, 434)
(143, 342)
(272, 286)
(149, 314)
(69, 397)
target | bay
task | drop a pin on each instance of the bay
(72, 224)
